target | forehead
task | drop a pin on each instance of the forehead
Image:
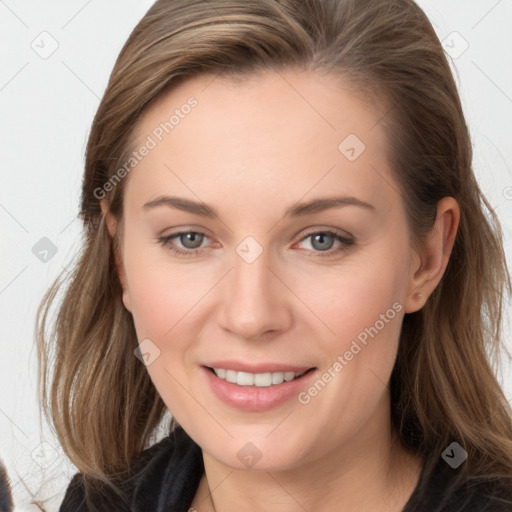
(275, 134)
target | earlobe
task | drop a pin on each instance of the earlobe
(110, 220)
(434, 255)
(111, 224)
(126, 299)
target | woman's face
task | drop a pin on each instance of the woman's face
(297, 260)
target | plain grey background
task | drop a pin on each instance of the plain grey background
(56, 59)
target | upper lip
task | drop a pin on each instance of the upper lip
(239, 366)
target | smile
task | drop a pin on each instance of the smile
(263, 380)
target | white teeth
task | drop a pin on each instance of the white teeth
(262, 380)
(230, 376)
(277, 378)
(245, 379)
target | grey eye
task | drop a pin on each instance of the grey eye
(191, 240)
(322, 241)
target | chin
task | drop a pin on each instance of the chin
(252, 448)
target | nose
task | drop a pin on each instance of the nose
(256, 303)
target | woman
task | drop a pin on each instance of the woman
(287, 250)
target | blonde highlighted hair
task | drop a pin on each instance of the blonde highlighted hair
(443, 386)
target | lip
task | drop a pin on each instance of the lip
(254, 398)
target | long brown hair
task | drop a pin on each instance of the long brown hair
(443, 386)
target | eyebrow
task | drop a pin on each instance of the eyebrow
(296, 210)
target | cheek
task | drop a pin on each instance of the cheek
(360, 309)
(353, 297)
(160, 293)
(162, 304)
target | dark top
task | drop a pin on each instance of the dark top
(166, 477)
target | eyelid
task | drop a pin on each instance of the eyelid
(334, 231)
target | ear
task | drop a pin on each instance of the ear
(429, 265)
(111, 223)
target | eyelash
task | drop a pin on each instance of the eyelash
(346, 243)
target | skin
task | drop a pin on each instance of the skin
(251, 150)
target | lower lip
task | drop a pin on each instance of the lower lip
(254, 398)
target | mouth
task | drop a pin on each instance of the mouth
(261, 380)
(266, 387)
